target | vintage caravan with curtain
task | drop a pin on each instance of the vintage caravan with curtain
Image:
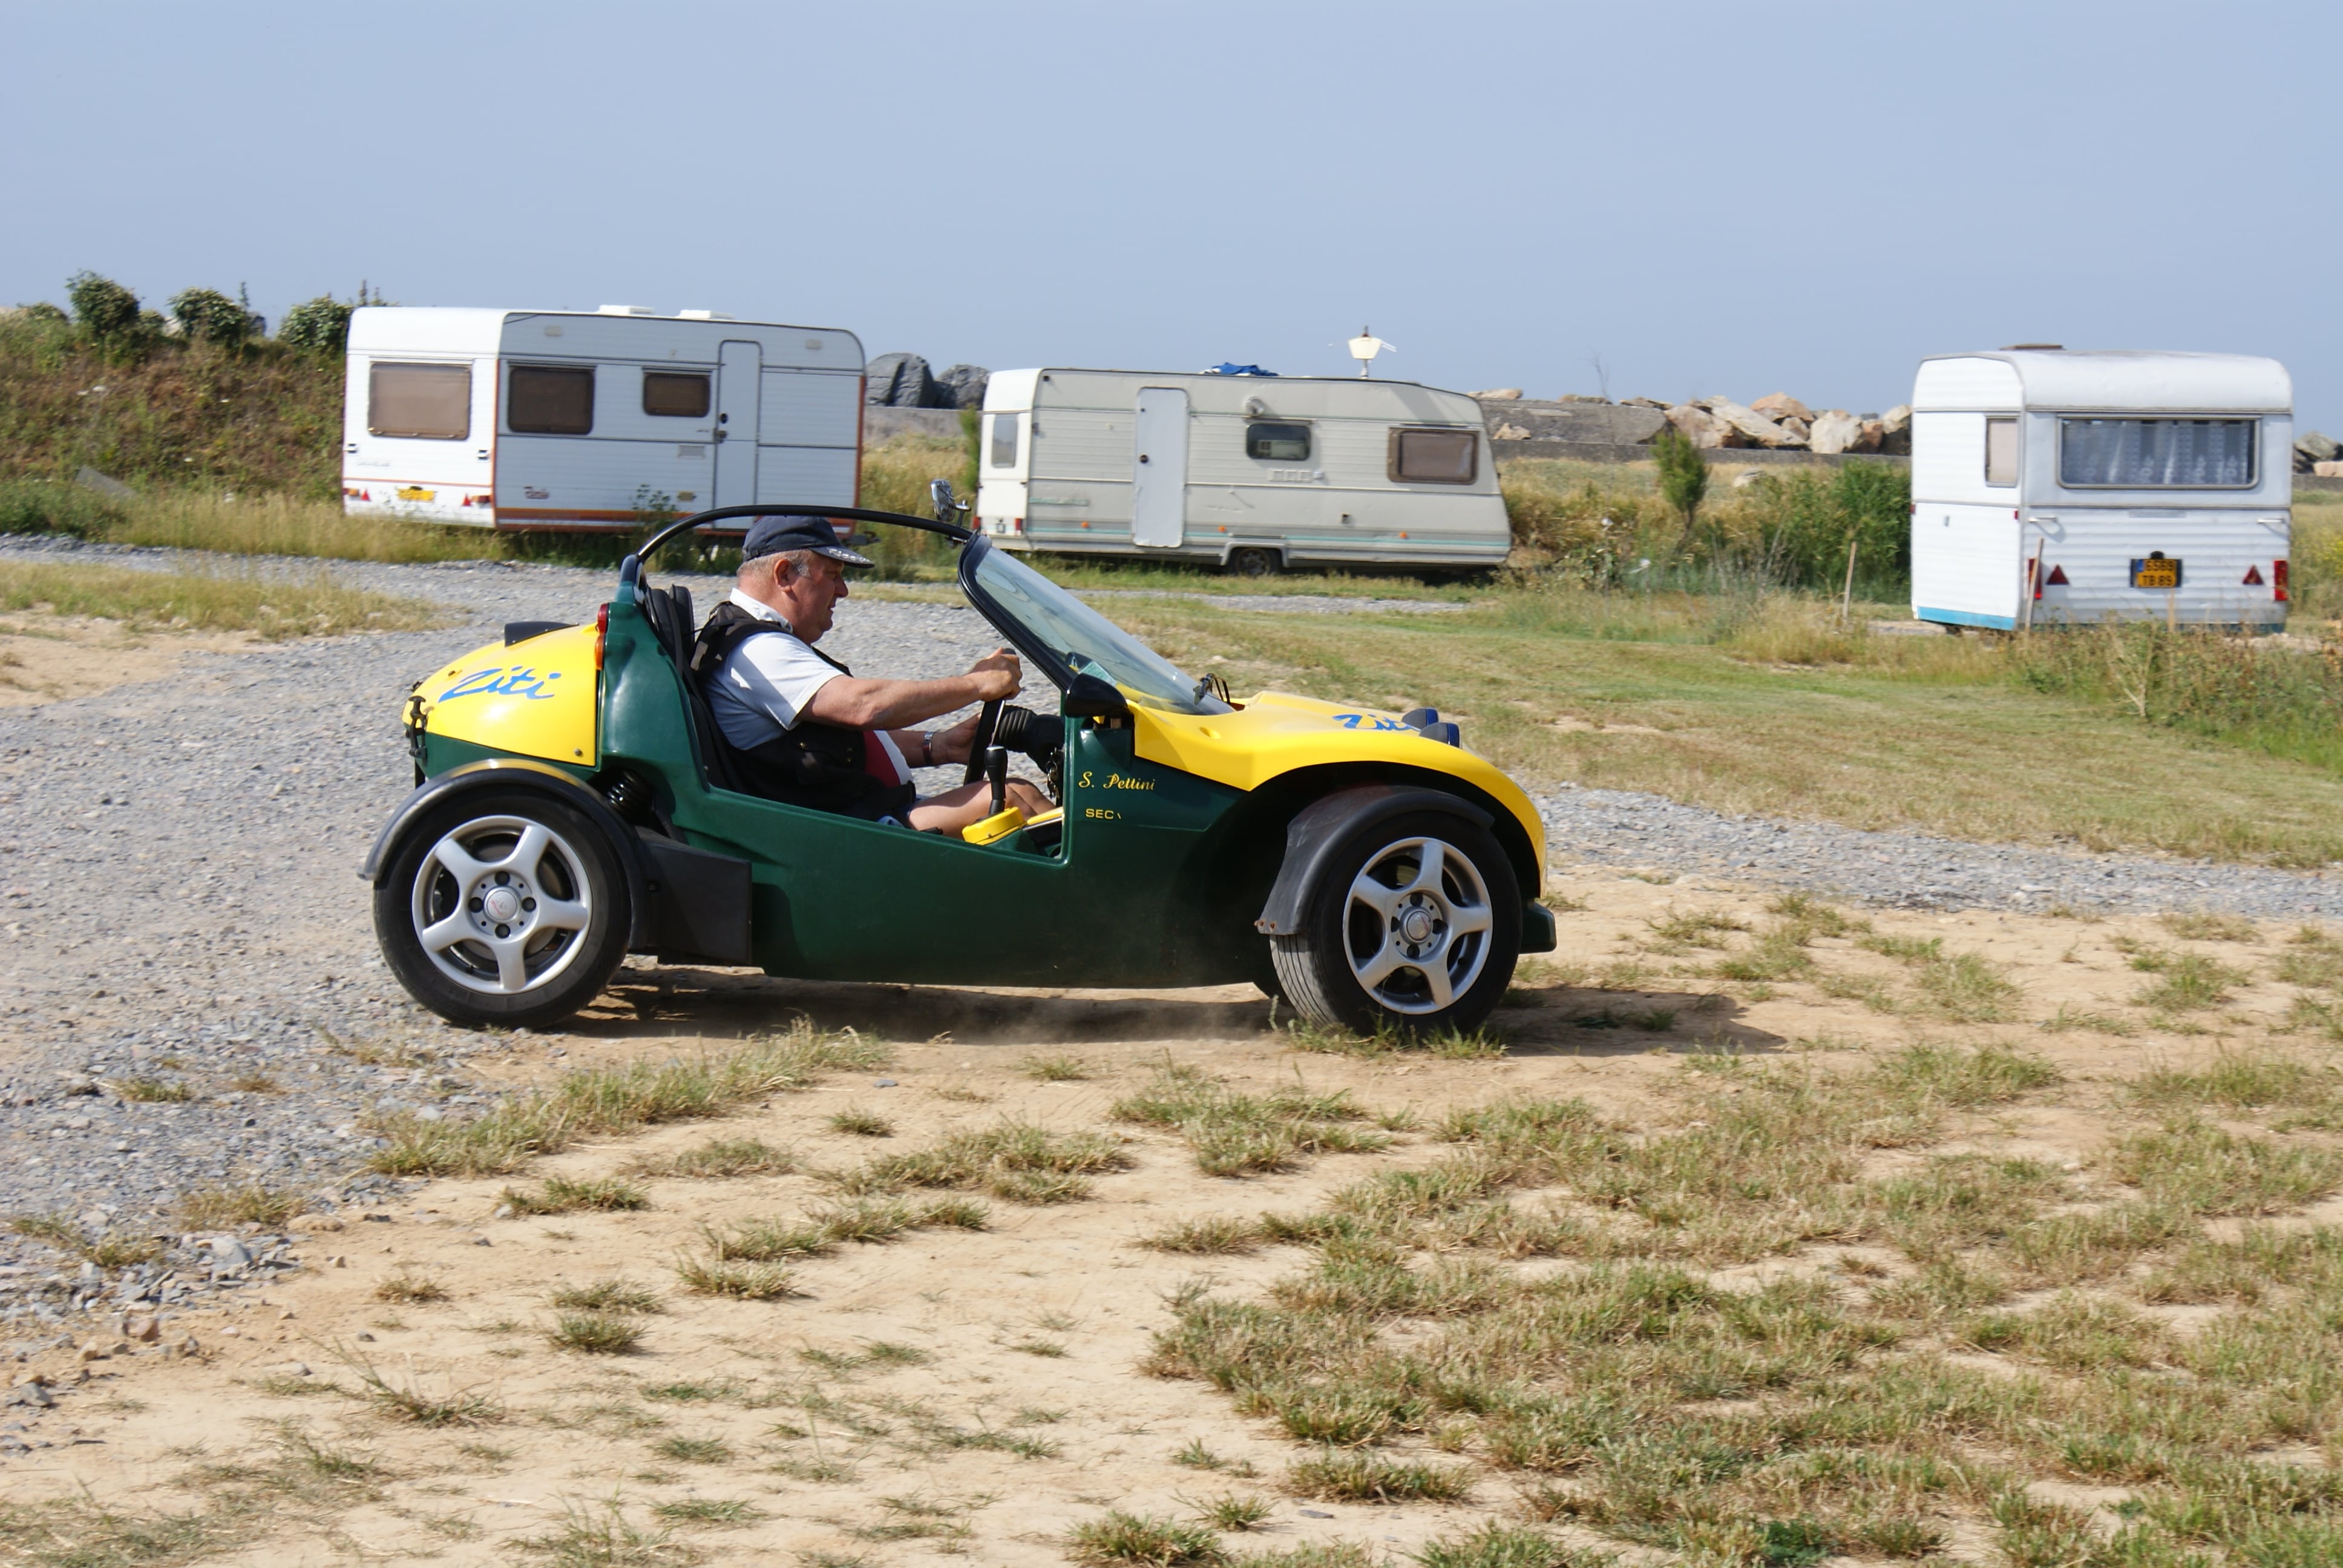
(577, 419)
(1249, 472)
(2052, 487)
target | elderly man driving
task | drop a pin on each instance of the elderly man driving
(805, 729)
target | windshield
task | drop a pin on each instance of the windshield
(1083, 639)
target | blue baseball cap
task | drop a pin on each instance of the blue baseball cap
(771, 536)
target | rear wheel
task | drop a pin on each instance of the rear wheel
(1414, 924)
(505, 907)
(1251, 562)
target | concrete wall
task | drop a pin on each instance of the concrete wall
(1719, 458)
(881, 423)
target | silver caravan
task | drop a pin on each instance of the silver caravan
(2053, 486)
(1251, 473)
(576, 419)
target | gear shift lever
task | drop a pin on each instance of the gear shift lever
(996, 767)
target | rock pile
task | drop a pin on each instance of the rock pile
(1777, 421)
(904, 381)
(2319, 455)
(1780, 422)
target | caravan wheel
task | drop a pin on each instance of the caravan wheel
(1252, 562)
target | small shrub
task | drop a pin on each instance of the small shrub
(1218, 1235)
(694, 1450)
(721, 1157)
(411, 1290)
(862, 1123)
(208, 315)
(1230, 1511)
(153, 1091)
(1122, 1537)
(595, 1334)
(609, 1294)
(747, 1281)
(221, 1208)
(319, 325)
(564, 1194)
(1055, 1068)
(1373, 1478)
(102, 307)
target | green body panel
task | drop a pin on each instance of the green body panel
(443, 753)
(1127, 899)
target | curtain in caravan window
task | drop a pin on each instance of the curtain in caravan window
(550, 400)
(422, 402)
(1004, 440)
(1435, 456)
(2157, 454)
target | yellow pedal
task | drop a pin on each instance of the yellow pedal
(1055, 813)
(999, 826)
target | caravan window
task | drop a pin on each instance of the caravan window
(1004, 440)
(1435, 456)
(2001, 451)
(425, 402)
(550, 400)
(677, 395)
(2157, 454)
(1280, 443)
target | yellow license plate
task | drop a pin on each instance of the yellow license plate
(414, 493)
(2156, 572)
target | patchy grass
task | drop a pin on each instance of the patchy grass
(1014, 1160)
(227, 600)
(223, 1207)
(1057, 1068)
(743, 1281)
(564, 1194)
(1357, 1477)
(153, 1091)
(607, 1101)
(860, 1123)
(1220, 1236)
(1123, 1537)
(609, 1295)
(1236, 1134)
(718, 1158)
(2186, 981)
(409, 1288)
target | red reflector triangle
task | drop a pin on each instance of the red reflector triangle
(2057, 578)
(2253, 577)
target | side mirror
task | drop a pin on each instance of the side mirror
(939, 492)
(1091, 697)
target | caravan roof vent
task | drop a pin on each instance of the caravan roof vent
(702, 316)
(626, 310)
(2018, 347)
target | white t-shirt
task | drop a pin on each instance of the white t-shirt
(762, 687)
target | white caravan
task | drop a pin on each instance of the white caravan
(576, 419)
(2051, 487)
(1251, 473)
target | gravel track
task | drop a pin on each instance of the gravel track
(178, 899)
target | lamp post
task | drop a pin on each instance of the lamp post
(1365, 347)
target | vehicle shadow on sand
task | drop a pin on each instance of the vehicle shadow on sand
(1555, 1020)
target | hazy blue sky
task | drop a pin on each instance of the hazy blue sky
(1713, 199)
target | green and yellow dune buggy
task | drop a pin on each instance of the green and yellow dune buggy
(571, 807)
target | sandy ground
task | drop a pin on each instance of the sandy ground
(1033, 1329)
(46, 659)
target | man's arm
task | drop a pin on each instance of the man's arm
(859, 704)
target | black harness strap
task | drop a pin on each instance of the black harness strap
(811, 764)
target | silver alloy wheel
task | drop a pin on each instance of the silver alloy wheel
(1416, 925)
(501, 905)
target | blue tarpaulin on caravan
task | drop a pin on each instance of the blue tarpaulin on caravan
(1225, 368)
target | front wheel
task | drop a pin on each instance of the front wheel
(1414, 925)
(505, 907)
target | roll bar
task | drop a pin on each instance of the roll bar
(953, 531)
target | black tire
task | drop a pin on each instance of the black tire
(1252, 561)
(568, 915)
(1323, 968)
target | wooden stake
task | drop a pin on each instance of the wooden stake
(2033, 580)
(1846, 594)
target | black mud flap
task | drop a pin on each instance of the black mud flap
(699, 903)
(1538, 935)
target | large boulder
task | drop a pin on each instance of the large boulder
(1834, 430)
(1643, 403)
(1598, 423)
(1780, 406)
(1895, 431)
(1757, 430)
(2330, 470)
(1497, 395)
(1873, 438)
(2319, 449)
(897, 381)
(1703, 428)
(960, 387)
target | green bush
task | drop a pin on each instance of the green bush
(40, 506)
(105, 310)
(1799, 523)
(1683, 479)
(208, 315)
(319, 325)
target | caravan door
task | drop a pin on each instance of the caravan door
(1158, 469)
(739, 367)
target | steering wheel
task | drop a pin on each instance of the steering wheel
(987, 723)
